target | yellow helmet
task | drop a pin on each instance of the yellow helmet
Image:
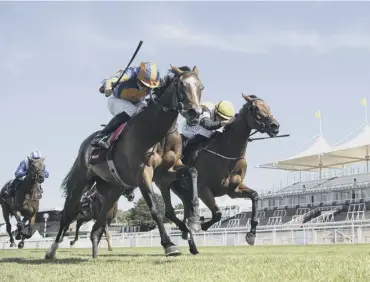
(148, 74)
(225, 109)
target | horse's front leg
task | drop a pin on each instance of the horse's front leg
(171, 215)
(78, 226)
(64, 234)
(209, 200)
(108, 238)
(108, 202)
(20, 225)
(245, 192)
(31, 224)
(184, 173)
(8, 225)
(24, 235)
(148, 194)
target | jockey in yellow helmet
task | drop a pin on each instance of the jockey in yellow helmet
(128, 96)
(214, 117)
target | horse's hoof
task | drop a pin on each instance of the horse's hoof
(204, 227)
(194, 251)
(71, 243)
(110, 249)
(172, 251)
(20, 245)
(47, 256)
(12, 244)
(194, 224)
(250, 238)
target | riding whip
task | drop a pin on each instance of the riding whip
(133, 57)
(262, 138)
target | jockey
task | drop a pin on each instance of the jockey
(128, 96)
(22, 170)
(213, 118)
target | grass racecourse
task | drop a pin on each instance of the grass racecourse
(259, 263)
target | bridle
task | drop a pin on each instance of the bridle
(179, 108)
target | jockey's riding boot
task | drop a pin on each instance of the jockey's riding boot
(191, 146)
(130, 196)
(101, 138)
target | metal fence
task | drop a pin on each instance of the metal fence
(340, 233)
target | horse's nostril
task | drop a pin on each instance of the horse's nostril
(192, 113)
(274, 126)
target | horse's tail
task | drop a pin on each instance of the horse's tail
(77, 174)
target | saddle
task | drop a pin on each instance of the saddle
(8, 191)
(192, 148)
(99, 155)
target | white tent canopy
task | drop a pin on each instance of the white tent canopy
(312, 158)
(320, 155)
(36, 235)
(355, 150)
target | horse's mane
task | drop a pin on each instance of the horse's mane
(167, 80)
(243, 109)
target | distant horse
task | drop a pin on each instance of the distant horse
(220, 162)
(92, 214)
(25, 203)
(142, 148)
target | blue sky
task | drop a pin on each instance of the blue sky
(299, 57)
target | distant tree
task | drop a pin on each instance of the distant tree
(123, 216)
(140, 212)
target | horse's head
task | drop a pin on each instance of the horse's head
(186, 90)
(37, 170)
(259, 117)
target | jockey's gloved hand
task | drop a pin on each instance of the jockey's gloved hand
(224, 122)
(108, 92)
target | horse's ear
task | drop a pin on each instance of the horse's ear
(43, 158)
(246, 97)
(176, 70)
(195, 70)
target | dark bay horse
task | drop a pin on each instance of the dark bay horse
(25, 203)
(92, 214)
(140, 150)
(221, 162)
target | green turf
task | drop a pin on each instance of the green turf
(259, 263)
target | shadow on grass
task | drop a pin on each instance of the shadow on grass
(164, 261)
(87, 254)
(43, 261)
(129, 255)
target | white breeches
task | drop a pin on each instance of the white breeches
(116, 106)
(189, 131)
